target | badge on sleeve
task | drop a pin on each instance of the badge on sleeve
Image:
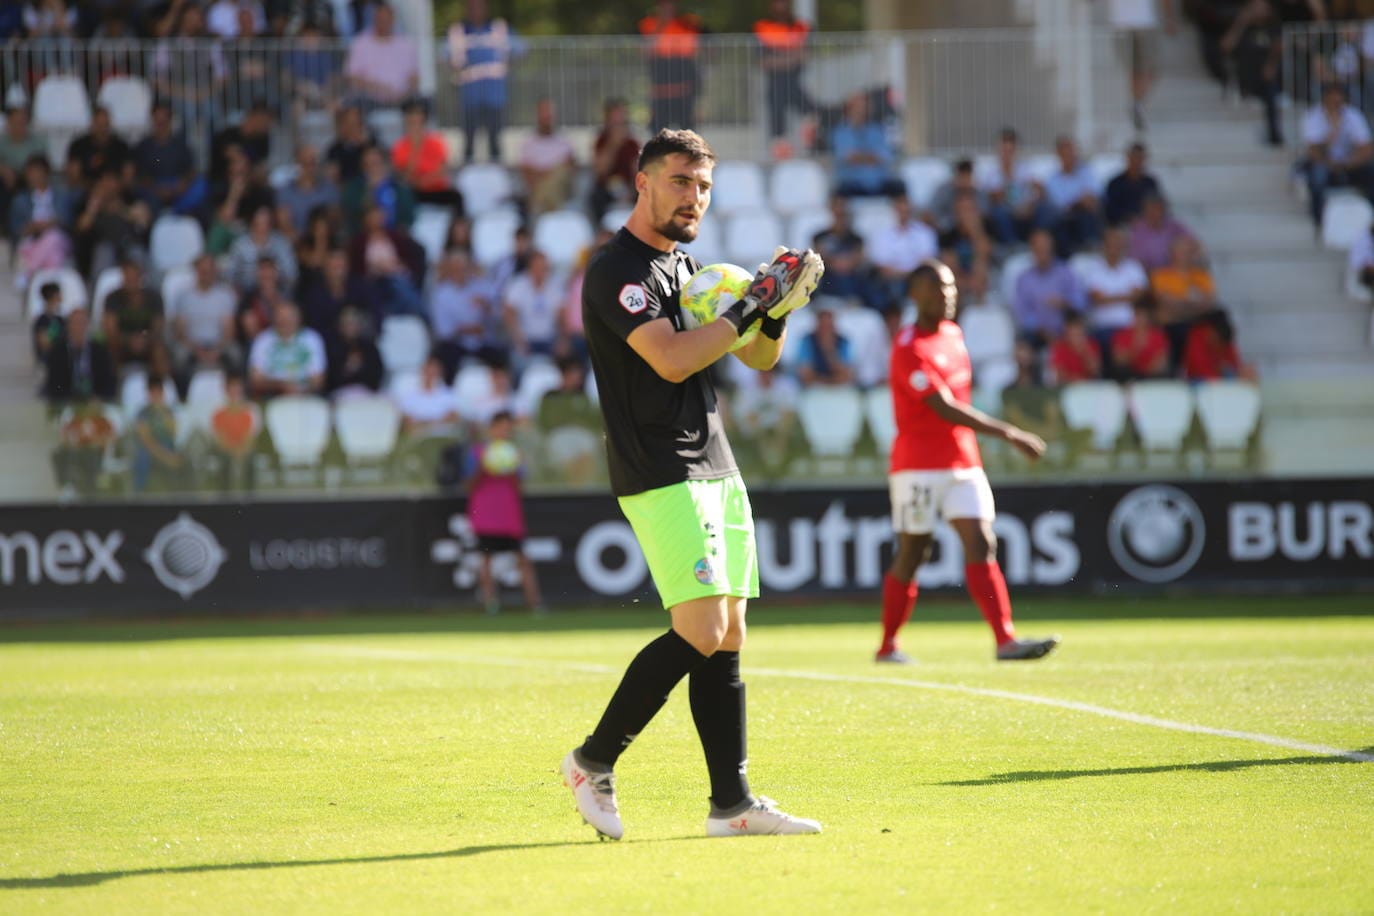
(633, 299)
(919, 380)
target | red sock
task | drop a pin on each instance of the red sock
(988, 589)
(898, 600)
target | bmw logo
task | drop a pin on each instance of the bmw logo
(1156, 533)
(185, 556)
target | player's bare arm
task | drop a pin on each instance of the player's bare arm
(1031, 445)
(678, 355)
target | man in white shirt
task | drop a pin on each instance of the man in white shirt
(1073, 195)
(1339, 149)
(382, 66)
(430, 407)
(532, 305)
(286, 358)
(898, 250)
(546, 163)
(202, 321)
(1114, 283)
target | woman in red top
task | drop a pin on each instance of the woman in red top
(1075, 356)
(1140, 351)
(1210, 352)
(420, 158)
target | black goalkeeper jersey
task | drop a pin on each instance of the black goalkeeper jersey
(657, 432)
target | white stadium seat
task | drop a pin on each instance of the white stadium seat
(1347, 216)
(869, 345)
(174, 282)
(1083, 264)
(299, 426)
(798, 185)
(738, 187)
(130, 103)
(995, 374)
(1105, 167)
(881, 422)
(109, 280)
(388, 124)
(1162, 411)
(493, 235)
(871, 218)
(367, 427)
(709, 246)
(923, 175)
(751, 237)
(431, 229)
(562, 235)
(989, 333)
(1229, 411)
(403, 343)
(1041, 166)
(1012, 268)
(805, 226)
(471, 385)
(1096, 406)
(61, 103)
(832, 419)
(176, 241)
(402, 382)
(204, 396)
(539, 378)
(133, 394)
(615, 218)
(485, 187)
(73, 290)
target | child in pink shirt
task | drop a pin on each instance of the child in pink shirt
(493, 470)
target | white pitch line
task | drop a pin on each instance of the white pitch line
(1093, 709)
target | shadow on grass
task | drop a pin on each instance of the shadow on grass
(225, 623)
(93, 878)
(1217, 766)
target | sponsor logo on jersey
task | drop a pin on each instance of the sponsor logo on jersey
(633, 298)
(919, 380)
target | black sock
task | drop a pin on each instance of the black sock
(717, 696)
(643, 690)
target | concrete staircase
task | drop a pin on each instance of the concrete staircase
(26, 437)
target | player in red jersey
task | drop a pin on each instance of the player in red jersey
(936, 467)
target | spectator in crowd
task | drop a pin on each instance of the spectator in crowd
(85, 435)
(326, 297)
(39, 215)
(1045, 292)
(1140, 351)
(1074, 356)
(615, 160)
(1141, 21)
(391, 262)
(1126, 192)
(1016, 201)
(429, 409)
(344, 157)
(461, 312)
(571, 425)
(531, 304)
(782, 55)
(1339, 147)
(262, 240)
(863, 157)
(1114, 284)
(307, 191)
(18, 144)
(286, 358)
(188, 67)
(1072, 195)
(258, 304)
(50, 326)
(1026, 402)
(1211, 351)
(420, 158)
(1183, 291)
(546, 163)
(1255, 37)
(355, 363)
(897, 251)
(825, 357)
(848, 274)
(202, 323)
(967, 247)
(570, 313)
(224, 18)
(498, 396)
(672, 38)
(165, 173)
(244, 192)
(500, 273)
(112, 225)
(496, 514)
(1153, 233)
(254, 67)
(134, 320)
(312, 71)
(234, 428)
(321, 235)
(49, 19)
(765, 410)
(1360, 261)
(459, 237)
(382, 67)
(480, 49)
(97, 151)
(378, 187)
(77, 366)
(960, 184)
(157, 464)
(252, 136)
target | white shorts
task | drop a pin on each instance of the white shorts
(919, 497)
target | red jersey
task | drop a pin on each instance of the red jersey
(924, 362)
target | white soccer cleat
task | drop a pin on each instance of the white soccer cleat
(762, 818)
(1021, 650)
(594, 795)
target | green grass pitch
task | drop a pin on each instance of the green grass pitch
(406, 764)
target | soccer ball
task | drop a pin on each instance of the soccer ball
(712, 290)
(500, 458)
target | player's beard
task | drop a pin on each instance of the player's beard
(670, 229)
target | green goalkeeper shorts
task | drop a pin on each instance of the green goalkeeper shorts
(698, 539)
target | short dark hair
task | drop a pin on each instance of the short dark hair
(502, 415)
(1008, 133)
(1072, 316)
(964, 165)
(50, 290)
(38, 159)
(928, 268)
(154, 383)
(666, 142)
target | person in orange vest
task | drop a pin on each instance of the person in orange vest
(782, 53)
(674, 82)
(480, 49)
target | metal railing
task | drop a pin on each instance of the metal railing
(1314, 54)
(942, 92)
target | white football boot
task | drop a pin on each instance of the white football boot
(594, 794)
(763, 817)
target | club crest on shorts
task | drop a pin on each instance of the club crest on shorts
(633, 298)
(704, 572)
